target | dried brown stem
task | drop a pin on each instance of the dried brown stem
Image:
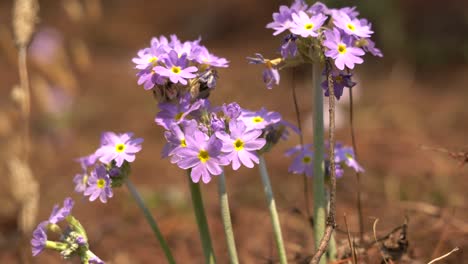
(358, 174)
(351, 244)
(374, 229)
(443, 256)
(331, 223)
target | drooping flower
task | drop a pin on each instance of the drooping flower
(39, 240)
(259, 119)
(341, 80)
(99, 185)
(306, 26)
(59, 214)
(303, 161)
(119, 147)
(232, 110)
(341, 50)
(202, 155)
(354, 27)
(289, 47)
(240, 145)
(176, 68)
(270, 73)
(346, 155)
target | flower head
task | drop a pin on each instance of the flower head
(352, 26)
(341, 80)
(39, 240)
(118, 147)
(241, 144)
(303, 161)
(58, 214)
(306, 26)
(176, 113)
(259, 119)
(176, 68)
(99, 185)
(202, 155)
(341, 50)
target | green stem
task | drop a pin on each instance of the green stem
(202, 223)
(226, 217)
(273, 212)
(151, 221)
(318, 179)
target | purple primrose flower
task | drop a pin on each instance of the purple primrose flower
(39, 239)
(241, 144)
(99, 185)
(354, 27)
(118, 147)
(176, 68)
(58, 214)
(341, 50)
(306, 26)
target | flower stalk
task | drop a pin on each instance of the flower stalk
(226, 217)
(202, 223)
(319, 175)
(273, 212)
(151, 221)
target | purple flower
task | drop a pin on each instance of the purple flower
(341, 50)
(175, 113)
(303, 162)
(353, 26)
(149, 78)
(270, 74)
(341, 80)
(176, 139)
(232, 110)
(58, 214)
(281, 20)
(241, 144)
(318, 7)
(202, 155)
(39, 239)
(259, 119)
(306, 26)
(289, 47)
(370, 47)
(176, 68)
(119, 147)
(99, 185)
(346, 155)
(205, 57)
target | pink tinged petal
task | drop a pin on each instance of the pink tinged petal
(245, 159)
(252, 134)
(95, 195)
(197, 172)
(213, 167)
(339, 62)
(129, 158)
(132, 149)
(255, 144)
(186, 163)
(235, 162)
(206, 177)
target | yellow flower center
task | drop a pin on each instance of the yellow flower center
(309, 26)
(183, 143)
(153, 60)
(175, 69)
(341, 48)
(238, 144)
(257, 119)
(101, 183)
(178, 116)
(85, 179)
(351, 27)
(306, 159)
(203, 156)
(120, 147)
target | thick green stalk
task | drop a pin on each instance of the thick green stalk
(319, 175)
(226, 217)
(202, 223)
(151, 221)
(273, 212)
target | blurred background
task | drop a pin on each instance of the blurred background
(83, 83)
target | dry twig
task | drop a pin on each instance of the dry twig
(443, 256)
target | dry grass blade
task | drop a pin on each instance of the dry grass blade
(443, 256)
(374, 229)
(351, 244)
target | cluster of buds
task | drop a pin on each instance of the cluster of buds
(72, 240)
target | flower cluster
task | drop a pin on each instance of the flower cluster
(200, 137)
(168, 65)
(108, 166)
(315, 34)
(72, 240)
(203, 138)
(304, 156)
